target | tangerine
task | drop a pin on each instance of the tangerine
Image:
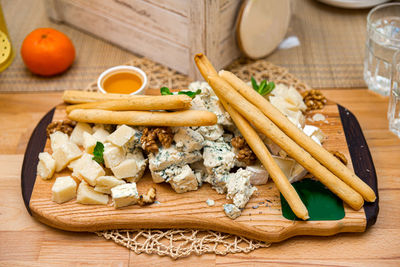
(46, 52)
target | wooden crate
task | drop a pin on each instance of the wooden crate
(170, 32)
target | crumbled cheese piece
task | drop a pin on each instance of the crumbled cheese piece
(218, 157)
(63, 190)
(87, 195)
(210, 202)
(46, 166)
(121, 135)
(77, 133)
(259, 175)
(211, 133)
(318, 117)
(65, 154)
(232, 211)
(185, 181)
(124, 195)
(57, 139)
(239, 188)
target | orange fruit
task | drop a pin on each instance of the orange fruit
(46, 51)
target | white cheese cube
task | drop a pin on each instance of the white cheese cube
(65, 154)
(127, 168)
(89, 142)
(63, 190)
(102, 189)
(232, 211)
(141, 163)
(184, 181)
(124, 195)
(259, 175)
(87, 195)
(108, 181)
(57, 139)
(188, 140)
(113, 155)
(100, 134)
(46, 166)
(88, 169)
(77, 133)
(121, 136)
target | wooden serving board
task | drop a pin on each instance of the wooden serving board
(189, 210)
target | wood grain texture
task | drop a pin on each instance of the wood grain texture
(31, 243)
(189, 210)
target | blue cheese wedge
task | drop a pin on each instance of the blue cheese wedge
(113, 155)
(185, 181)
(211, 133)
(239, 188)
(134, 142)
(121, 135)
(188, 140)
(87, 195)
(232, 211)
(58, 139)
(77, 134)
(63, 190)
(46, 166)
(88, 169)
(124, 195)
(218, 156)
(65, 154)
(166, 157)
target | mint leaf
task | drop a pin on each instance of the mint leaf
(190, 93)
(165, 91)
(98, 153)
(254, 83)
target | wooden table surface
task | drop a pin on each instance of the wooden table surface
(26, 242)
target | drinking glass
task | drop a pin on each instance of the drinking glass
(394, 99)
(383, 39)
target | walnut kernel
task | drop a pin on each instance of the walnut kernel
(65, 126)
(314, 99)
(148, 198)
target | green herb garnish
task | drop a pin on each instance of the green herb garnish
(264, 87)
(166, 91)
(98, 153)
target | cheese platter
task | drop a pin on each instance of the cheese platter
(188, 198)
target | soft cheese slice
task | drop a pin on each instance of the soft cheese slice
(89, 142)
(63, 190)
(127, 168)
(46, 166)
(77, 133)
(58, 139)
(124, 195)
(121, 136)
(87, 195)
(65, 154)
(88, 169)
(112, 155)
(285, 164)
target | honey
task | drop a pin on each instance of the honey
(122, 82)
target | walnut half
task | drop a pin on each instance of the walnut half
(65, 126)
(148, 198)
(151, 135)
(314, 99)
(244, 154)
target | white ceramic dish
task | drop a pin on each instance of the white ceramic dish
(122, 68)
(353, 3)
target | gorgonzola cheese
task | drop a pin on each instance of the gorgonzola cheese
(124, 195)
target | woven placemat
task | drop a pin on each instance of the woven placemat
(330, 55)
(179, 243)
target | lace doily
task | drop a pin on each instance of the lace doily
(178, 243)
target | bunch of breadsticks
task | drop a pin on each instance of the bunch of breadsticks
(138, 110)
(248, 108)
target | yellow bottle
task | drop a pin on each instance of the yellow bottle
(6, 51)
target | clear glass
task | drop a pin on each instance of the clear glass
(383, 39)
(394, 99)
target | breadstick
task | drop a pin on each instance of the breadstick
(168, 102)
(263, 154)
(79, 97)
(267, 127)
(317, 151)
(145, 118)
(206, 69)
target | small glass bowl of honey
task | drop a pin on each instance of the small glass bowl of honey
(122, 80)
